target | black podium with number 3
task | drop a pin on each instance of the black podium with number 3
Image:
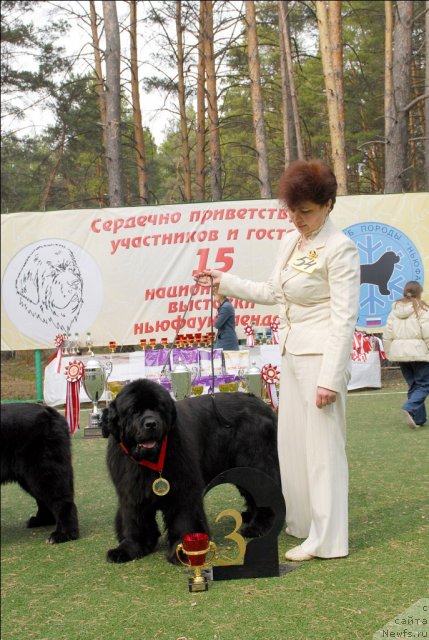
(261, 556)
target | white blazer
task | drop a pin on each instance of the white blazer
(317, 307)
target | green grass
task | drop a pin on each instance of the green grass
(70, 592)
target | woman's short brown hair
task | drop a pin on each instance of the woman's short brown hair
(310, 180)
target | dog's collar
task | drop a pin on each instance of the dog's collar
(156, 466)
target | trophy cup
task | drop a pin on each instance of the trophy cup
(196, 546)
(89, 342)
(182, 379)
(94, 383)
(254, 380)
(66, 344)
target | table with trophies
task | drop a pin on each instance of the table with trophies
(189, 367)
(157, 361)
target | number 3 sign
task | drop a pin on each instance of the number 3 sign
(259, 556)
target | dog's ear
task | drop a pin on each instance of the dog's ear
(109, 422)
(27, 282)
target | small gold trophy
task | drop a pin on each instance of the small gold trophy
(196, 546)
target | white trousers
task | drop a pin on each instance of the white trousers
(313, 460)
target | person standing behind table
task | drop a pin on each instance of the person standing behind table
(226, 337)
(316, 284)
(406, 340)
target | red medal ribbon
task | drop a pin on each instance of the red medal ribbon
(270, 374)
(59, 341)
(74, 373)
(360, 347)
(250, 333)
(274, 326)
(156, 466)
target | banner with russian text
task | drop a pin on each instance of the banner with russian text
(126, 274)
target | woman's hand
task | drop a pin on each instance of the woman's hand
(208, 278)
(325, 397)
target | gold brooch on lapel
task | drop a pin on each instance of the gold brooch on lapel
(312, 255)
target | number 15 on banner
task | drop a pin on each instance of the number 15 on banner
(223, 260)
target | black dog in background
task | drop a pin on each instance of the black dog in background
(205, 436)
(36, 453)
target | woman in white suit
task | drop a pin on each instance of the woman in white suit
(316, 285)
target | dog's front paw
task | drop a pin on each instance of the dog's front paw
(118, 555)
(250, 531)
(57, 537)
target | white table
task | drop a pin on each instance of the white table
(366, 374)
(131, 366)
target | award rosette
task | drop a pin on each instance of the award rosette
(74, 373)
(250, 335)
(274, 326)
(378, 346)
(361, 346)
(271, 375)
(59, 341)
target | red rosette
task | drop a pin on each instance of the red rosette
(250, 333)
(74, 371)
(274, 326)
(59, 340)
(270, 374)
(359, 352)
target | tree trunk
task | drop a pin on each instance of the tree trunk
(257, 101)
(427, 99)
(389, 118)
(184, 138)
(212, 110)
(397, 127)
(336, 133)
(289, 95)
(137, 114)
(289, 140)
(113, 106)
(336, 39)
(201, 120)
(99, 82)
(53, 172)
(413, 153)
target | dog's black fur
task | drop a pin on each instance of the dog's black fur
(36, 453)
(206, 435)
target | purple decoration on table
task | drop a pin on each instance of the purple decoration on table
(185, 356)
(206, 361)
(156, 358)
(206, 354)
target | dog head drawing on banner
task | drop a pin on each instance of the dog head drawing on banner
(50, 286)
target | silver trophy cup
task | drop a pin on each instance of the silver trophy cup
(94, 383)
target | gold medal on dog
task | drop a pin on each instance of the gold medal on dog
(312, 254)
(161, 486)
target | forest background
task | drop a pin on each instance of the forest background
(245, 88)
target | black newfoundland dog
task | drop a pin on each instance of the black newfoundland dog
(36, 453)
(198, 438)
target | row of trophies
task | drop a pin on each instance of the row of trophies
(72, 344)
(182, 341)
